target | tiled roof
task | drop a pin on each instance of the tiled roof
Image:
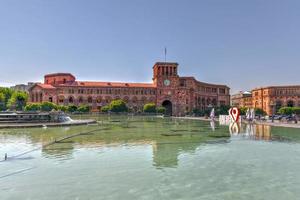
(60, 74)
(45, 86)
(108, 84)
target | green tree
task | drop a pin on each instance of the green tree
(72, 108)
(2, 102)
(222, 110)
(17, 100)
(7, 93)
(149, 108)
(161, 110)
(33, 107)
(118, 106)
(83, 108)
(243, 110)
(48, 106)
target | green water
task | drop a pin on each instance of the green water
(150, 158)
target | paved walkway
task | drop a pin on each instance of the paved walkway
(269, 123)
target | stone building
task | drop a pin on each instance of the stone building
(178, 95)
(22, 87)
(242, 99)
(270, 98)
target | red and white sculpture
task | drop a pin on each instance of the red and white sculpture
(234, 114)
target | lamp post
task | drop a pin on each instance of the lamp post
(273, 106)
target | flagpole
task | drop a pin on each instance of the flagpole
(165, 54)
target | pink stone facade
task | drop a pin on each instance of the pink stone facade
(179, 95)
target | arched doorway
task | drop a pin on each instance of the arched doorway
(168, 106)
(278, 105)
(290, 103)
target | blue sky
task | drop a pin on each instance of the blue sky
(243, 44)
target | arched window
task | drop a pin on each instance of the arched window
(126, 99)
(61, 99)
(134, 99)
(99, 99)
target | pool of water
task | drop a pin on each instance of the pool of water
(125, 157)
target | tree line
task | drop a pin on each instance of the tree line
(12, 99)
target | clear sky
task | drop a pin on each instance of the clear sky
(241, 43)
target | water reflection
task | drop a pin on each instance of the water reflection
(212, 125)
(257, 132)
(169, 138)
(59, 150)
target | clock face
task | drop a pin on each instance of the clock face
(167, 82)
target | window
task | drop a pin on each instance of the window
(222, 91)
(182, 83)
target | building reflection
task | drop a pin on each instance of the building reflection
(166, 154)
(257, 131)
(169, 139)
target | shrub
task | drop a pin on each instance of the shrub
(198, 112)
(285, 110)
(105, 108)
(149, 108)
(62, 108)
(161, 110)
(259, 111)
(118, 106)
(289, 110)
(296, 110)
(83, 108)
(72, 108)
(33, 107)
(48, 106)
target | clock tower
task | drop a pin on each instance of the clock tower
(165, 74)
(166, 80)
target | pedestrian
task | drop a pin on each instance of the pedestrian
(295, 119)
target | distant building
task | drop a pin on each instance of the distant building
(270, 98)
(242, 99)
(178, 95)
(22, 87)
